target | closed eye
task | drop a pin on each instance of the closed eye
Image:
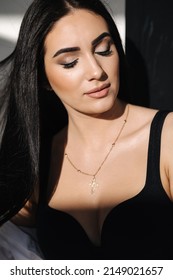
(70, 64)
(105, 53)
(104, 49)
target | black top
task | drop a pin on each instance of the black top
(138, 228)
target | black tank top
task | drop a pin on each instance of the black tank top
(138, 228)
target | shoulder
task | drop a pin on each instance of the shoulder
(169, 121)
(167, 132)
(141, 118)
(142, 112)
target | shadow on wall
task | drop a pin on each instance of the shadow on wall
(138, 75)
(149, 28)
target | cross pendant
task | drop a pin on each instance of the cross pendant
(93, 185)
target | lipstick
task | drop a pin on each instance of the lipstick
(99, 92)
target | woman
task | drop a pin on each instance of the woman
(106, 187)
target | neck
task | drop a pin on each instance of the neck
(88, 164)
(89, 130)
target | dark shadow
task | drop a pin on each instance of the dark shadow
(53, 113)
(53, 118)
(149, 27)
(138, 78)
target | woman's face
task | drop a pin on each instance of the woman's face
(82, 64)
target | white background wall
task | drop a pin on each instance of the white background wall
(12, 11)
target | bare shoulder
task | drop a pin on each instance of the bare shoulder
(169, 122)
(141, 117)
(146, 112)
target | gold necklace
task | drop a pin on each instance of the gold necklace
(94, 184)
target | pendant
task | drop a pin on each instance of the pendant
(93, 185)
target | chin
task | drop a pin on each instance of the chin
(102, 110)
(105, 105)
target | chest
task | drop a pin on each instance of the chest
(90, 201)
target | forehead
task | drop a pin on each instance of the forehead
(79, 25)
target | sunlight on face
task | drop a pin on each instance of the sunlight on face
(81, 63)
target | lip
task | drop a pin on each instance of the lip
(99, 92)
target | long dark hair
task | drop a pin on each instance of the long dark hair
(28, 99)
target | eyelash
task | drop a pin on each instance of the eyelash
(70, 65)
(105, 53)
(73, 63)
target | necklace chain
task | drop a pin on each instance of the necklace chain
(94, 183)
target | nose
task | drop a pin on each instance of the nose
(94, 69)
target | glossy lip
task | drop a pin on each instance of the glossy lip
(99, 92)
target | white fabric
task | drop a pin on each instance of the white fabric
(18, 243)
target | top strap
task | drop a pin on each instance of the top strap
(153, 165)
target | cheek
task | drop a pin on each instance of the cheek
(114, 66)
(111, 66)
(113, 70)
(62, 80)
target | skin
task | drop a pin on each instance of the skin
(94, 122)
(72, 74)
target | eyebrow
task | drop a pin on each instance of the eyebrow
(74, 49)
(66, 50)
(100, 38)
